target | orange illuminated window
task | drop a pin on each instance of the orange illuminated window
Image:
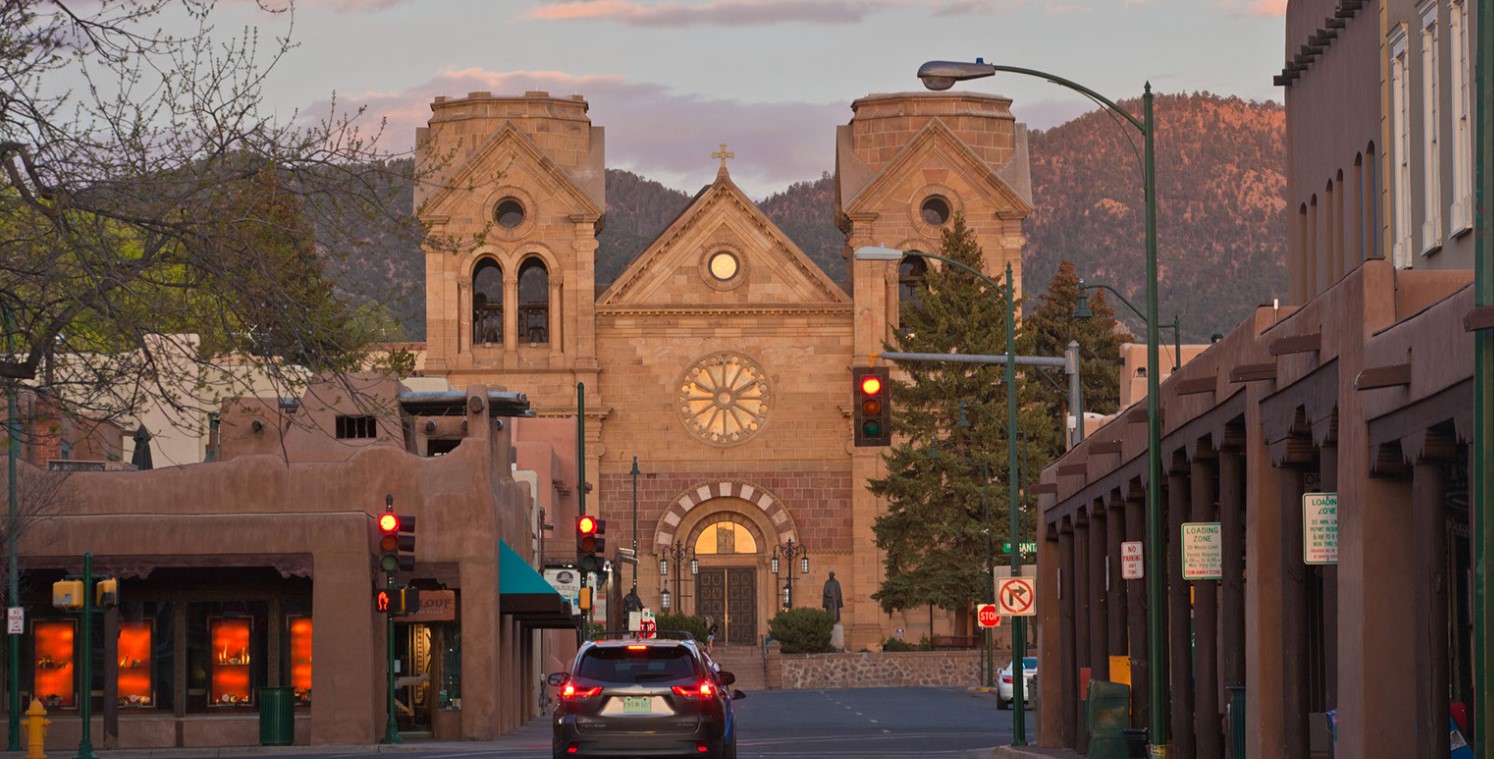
(229, 682)
(300, 658)
(134, 664)
(54, 663)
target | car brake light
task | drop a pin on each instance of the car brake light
(1006, 679)
(637, 648)
(570, 691)
(706, 690)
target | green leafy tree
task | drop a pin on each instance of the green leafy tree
(933, 533)
(1047, 331)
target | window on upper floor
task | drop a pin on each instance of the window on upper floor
(487, 303)
(1400, 152)
(1431, 133)
(356, 427)
(910, 274)
(1461, 214)
(534, 302)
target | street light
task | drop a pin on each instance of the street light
(790, 551)
(679, 553)
(941, 75)
(1082, 311)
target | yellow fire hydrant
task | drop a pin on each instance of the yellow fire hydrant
(36, 729)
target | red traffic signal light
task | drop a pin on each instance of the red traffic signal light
(589, 542)
(396, 541)
(873, 417)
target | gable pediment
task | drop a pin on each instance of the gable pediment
(936, 155)
(767, 269)
(510, 157)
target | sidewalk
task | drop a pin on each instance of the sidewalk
(1033, 752)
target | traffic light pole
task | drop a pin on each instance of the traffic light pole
(85, 666)
(391, 726)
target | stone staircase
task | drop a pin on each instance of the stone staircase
(746, 662)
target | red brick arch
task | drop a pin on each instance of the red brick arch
(771, 506)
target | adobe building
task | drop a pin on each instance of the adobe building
(721, 356)
(1326, 443)
(253, 575)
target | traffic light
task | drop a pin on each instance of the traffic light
(590, 545)
(873, 411)
(396, 541)
(397, 601)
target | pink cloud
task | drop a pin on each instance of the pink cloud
(1265, 8)
(673, 13)
(653, 131)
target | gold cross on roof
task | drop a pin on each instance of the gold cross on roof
(723, 155)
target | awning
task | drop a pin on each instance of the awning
(528, 596)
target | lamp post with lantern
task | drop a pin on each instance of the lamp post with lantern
(679, 553)
(788, 552)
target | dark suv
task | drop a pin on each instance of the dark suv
(630, 696)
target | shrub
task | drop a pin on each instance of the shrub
(693, 625)
(803, 631)
(896, 644)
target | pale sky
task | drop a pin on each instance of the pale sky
(672, 79)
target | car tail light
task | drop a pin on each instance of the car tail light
(1006, 679)
(637, 648)
(704, 690)
(571, 692)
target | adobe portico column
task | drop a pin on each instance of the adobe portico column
(1099, 610)
(1136, 610)
(1206, 724)
(1068, 662)
(1429, 557)
(1115, 608)
(1232, 588)
(1179, 648)
(1081, 625)
(1293, 607)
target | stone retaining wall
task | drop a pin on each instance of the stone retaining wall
(878, 669)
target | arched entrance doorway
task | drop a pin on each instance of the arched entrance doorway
(726, 588)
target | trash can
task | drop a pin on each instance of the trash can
(1107, 711)
(277, 717)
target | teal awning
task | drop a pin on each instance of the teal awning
(527, 595)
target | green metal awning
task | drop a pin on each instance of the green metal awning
(527, 595)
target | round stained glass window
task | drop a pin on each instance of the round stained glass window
(935, 211)
(723, 265)
(509, 214)
(724, 398)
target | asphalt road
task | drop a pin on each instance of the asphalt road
(788, 724)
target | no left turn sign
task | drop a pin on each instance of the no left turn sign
(1016, 596)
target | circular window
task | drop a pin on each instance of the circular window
(510, 213)
(724, 398)
(723, 265)
(935, 211)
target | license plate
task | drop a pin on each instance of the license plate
(637, 705)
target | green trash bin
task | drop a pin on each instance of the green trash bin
(277, 717)
(1107, 715)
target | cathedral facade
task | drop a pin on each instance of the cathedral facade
(720, 358)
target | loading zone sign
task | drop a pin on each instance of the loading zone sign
(1320, 528)
(1016, 596)
(1203, 551)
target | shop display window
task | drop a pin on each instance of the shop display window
(135, 685)
(300, 659)
(228, 683)
(54, 662)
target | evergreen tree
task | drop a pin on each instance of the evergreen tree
(1047, 331)
(941, 477)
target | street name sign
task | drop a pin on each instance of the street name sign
(1320, 528)
(1131, 563)
(1203, 551)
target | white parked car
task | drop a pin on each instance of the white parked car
(1004, 683)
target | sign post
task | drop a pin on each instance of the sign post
(1320, 528)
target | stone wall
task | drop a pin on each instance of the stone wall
(878, 669)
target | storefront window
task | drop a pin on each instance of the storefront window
(54, 663)
(135, 686)
(228, 681)
(300, 659)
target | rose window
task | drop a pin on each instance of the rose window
(724, 398)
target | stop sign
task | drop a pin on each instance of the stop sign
(986, 615)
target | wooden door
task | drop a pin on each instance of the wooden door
(729, 596)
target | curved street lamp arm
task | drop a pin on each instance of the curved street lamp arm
(1075, 86)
